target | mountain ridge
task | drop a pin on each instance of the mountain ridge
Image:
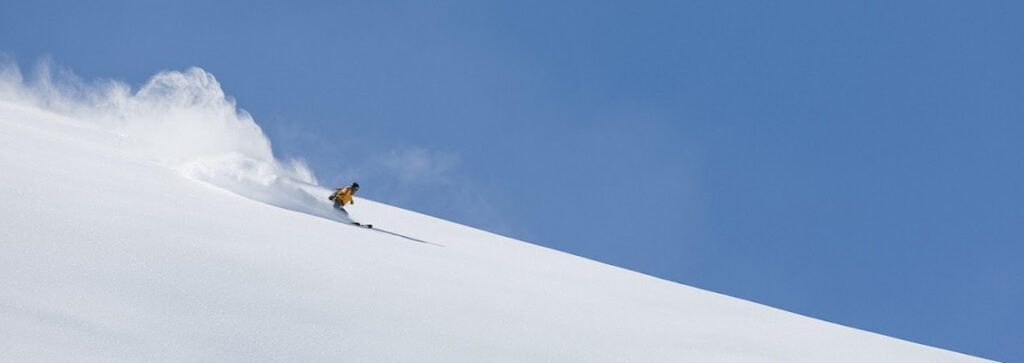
(112, 253)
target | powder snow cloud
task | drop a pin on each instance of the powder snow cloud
(180, 119)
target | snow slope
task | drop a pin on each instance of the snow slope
(116, 245)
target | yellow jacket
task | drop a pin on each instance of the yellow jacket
(343, 195)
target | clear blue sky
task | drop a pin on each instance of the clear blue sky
(859, 163)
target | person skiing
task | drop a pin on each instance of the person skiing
(343, 196)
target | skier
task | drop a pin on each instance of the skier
(343, 196)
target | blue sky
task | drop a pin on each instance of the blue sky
(859, 163)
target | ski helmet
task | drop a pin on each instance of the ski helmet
(355, 185)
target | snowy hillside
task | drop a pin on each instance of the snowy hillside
(156, 225)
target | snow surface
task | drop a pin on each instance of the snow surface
(156, 225)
